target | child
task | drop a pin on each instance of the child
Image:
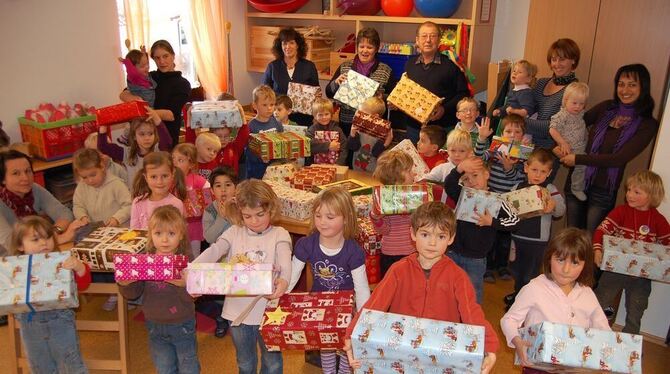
(393, 167)
(638, 219)
(520, 99)
(145, 136)
(322, 110)
(168, 309)
(451, 296)
(467, 112)
(474, 241)
(185, 158)
(263, 103)
(283, 109)
(366, 148)
(337, 261)
(153, 186)
(111, 167)
(431, 141)
(140, 83)
(561, 295)
(50, 337)
(255, 237)
(207, 146)
(99, 197)
(459, 148)
(532, 234)
(568, 129)
(232, 146)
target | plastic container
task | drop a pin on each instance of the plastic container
(396, 62)
(55, 140)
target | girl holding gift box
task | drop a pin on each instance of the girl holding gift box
(254, 238)
(153, 188)
(49, 337)
(172, 339)
(338, 263)
(561, 295)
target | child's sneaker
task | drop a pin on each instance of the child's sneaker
(504, 274)
(509, 299)
(221, 327)
(489, 277)
(110, 304)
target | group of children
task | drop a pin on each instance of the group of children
(161, 190)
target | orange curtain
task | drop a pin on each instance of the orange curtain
(137, 22)
(210, 41)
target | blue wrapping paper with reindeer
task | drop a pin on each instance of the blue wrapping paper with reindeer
(36, 283)
(395, 343)
(558, 348)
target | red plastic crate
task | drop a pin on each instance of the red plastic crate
(55, 140)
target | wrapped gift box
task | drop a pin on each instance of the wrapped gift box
(416, 101)
(120, 113)
(138, 267)
(367, 237)
(473, 202)
(373, 268)
(38, 281)
(636, 258)
(508, 147)
(527, 202)
(229, 279)
(394, 343)
(356, 89)
(296, 145)
(341, 171)
(329, 157)
(371, 125)
(400, 199)
(302, 130)
(363, 204)
(272, 145)
(196, 201)
(98, 248)
(296, 204)
(213, 114)
(309, 177)
(280, 173)
(303, 96)
(570, 349)
(420, 168)
(307, 321)
(354, 186)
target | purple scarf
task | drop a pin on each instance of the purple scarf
(363, 68)
(600, 130)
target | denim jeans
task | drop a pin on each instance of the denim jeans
(51, 342)
(245, 339)
(475, 267)
(173, 347)
(589, 214)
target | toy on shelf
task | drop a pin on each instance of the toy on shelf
(397, 8)
(277, 6)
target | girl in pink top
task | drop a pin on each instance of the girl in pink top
(198, 193)
(561, 295)
(153, 186)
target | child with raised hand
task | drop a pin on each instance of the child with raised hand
(168, 309)
(561, 295)
(153, 188)
(638, 219)
(146, 135)
(99, 197)
(49, 337)
(138, 80)
(322, 110)
(185, 158)
(264, 104)
(207, 146)
(393, 167)
(452, 298)
(467, 112)
(366, 148)
(519, 99)
(112, 167)
(232, 146)
(568, 129)
(504, 171)
(431, 141)
(255, 237)
(337, 261)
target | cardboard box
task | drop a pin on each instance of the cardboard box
(420, 168)
(367, 237)
(295, 204)
(636, 258)
(527, 202)
(215, 114)
(280, 173)
(414, 100)
(337, 58)
(356, 89)
(123, 112)
(363, 204)
(341, 171)
(473, 202)
(309, 177)
(230, 279)
(99, 247)
(400, 199)
(354, 186)
(139, 267)
(303, 96)
(511, 148)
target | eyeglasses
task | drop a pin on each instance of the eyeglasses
(469, 110)
(429, 36)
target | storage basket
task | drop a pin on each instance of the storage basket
(55, 140)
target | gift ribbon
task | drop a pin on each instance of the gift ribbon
(30, 269)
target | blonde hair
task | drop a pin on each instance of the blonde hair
(42, 227)
(374, 105)
(254, 193)
(322, 104)
(340, 202)
(134, 151)
(459, 138)
(576, 89)
(87, 158)
(208, 138)
(649, 182)
(467, 100)
(434, 214)
(531, 69)
(91, 141)
(391, 165)
(155, 160)
(189, 150)
(263, 92)
(168, 216)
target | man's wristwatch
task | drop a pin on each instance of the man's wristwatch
(59, 230)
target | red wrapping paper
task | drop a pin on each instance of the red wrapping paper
(120, 113)
(329, 157)
(373, 126)
(373, 268)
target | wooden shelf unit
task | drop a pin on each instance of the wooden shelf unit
(391, 29)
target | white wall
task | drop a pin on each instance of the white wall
(243, 81)
(57, 50)
(509, 32)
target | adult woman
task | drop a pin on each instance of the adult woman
(290, 65)
(172, 90)
(365, 63)
(20, 196)
(619, 130)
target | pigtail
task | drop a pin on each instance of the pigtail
(179, 184)
(140, 186)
